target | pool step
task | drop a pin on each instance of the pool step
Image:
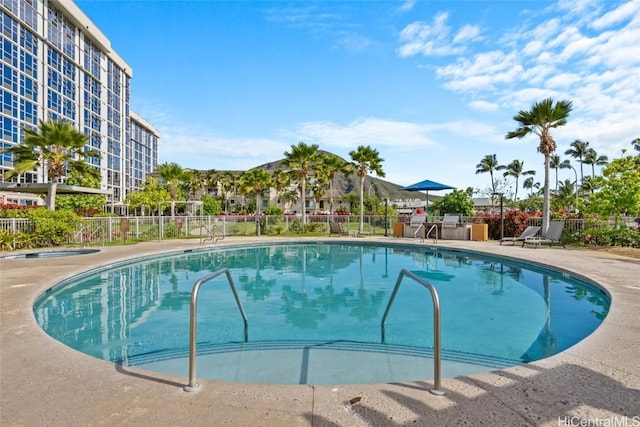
(316, 362)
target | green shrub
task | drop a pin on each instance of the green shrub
(6, 240)
(608, 237)
(273, 210)
(275, 230)
(171, 231)
(52, 228)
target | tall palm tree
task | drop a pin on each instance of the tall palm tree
(555, 163)
(592, 158)
(489, 163)
(515, 169)
(173, 175)
(301, 161)
(330, 165)
(578, 151)
(58, 148)
(543, 116)
(254, 182)
(365, 160)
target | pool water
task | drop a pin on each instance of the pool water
(314, 313)
(50, 254)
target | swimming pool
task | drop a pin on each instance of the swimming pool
(314, 313)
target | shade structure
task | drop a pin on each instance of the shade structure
(428, 185)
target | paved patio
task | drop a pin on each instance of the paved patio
(45, 383)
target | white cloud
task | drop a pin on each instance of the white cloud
(466, 33)
(629, 10)
(364, 131)
(434, 39)
(563, 80)
(482, 72)
(407, 6)
(483, 106)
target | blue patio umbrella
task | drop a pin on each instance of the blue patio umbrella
(427, 185)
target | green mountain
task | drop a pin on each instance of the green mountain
(372, 185)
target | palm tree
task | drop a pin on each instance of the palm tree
(565, 195)
(254, 182)
(289, 197)
(301, 161)
(280, 181)
(58, 148)
(227, 184)
(212, 179)
(173, 175)
(592, 158)
(515, 169)
(331, 165)
(366, 159)
(636, 144)
(555, 163)
(193, 182)
(578, 151)
(530, 184)
(590, 185)
(543, 116)
(489, 163)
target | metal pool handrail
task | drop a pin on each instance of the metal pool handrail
(437, 389)
(192, 386)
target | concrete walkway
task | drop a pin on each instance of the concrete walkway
(45, 383)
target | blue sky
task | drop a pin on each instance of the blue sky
(432, 85)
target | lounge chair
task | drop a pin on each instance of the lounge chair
(554, 235)
(530, 231)
(336, 228)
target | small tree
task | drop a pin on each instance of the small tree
(619, 192)
(210, 206)
(150, 195)
(458, 201)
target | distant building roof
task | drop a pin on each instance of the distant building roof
(482, 202)
(44, 188)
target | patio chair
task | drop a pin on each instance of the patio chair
(530, 231)
(554, 235)
(336, 228)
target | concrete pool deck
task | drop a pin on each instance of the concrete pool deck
(45, 383)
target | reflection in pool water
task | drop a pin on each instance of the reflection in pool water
(316, 308)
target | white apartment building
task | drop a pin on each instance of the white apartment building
(56, 65)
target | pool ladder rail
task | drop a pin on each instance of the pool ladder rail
(427, 233)
(193, 385)
(210, 234)
(436, 389)
(437, 374)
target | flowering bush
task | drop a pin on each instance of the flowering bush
(515, 222)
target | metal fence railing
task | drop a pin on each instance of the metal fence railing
(104, 230)
(110, 230)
